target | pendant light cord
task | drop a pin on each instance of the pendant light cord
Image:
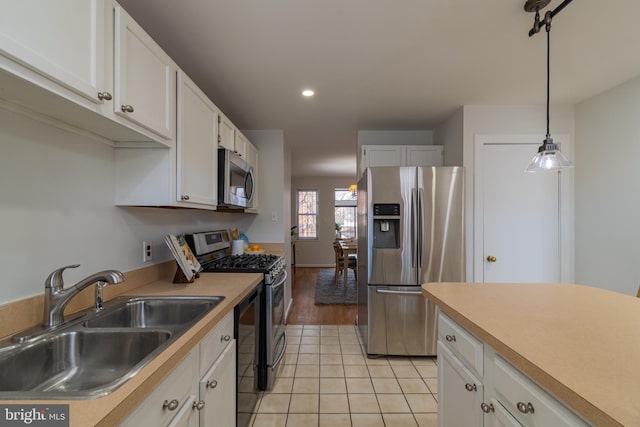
(548, 73)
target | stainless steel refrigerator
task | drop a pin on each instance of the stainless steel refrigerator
(410, 231)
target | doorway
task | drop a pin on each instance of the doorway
(522, 220)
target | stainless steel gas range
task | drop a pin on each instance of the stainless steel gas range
(211, 249)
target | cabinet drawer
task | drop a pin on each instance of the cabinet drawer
(215, 342)
(527, 402)
(178, 385)
(461, 342)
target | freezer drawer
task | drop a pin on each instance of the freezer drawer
(401, 322)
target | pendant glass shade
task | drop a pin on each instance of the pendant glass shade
(549, 158)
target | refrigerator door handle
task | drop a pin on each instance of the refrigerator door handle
(389, 291)
(420, 236)
(414, 228)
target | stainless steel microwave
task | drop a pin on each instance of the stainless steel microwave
(235, 181)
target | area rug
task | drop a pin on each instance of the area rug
(328, 293)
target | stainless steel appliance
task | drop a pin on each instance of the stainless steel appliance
(410, 231)
(235, 181)
(211, 249)
(247, 334)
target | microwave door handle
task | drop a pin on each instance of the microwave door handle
(247, 177)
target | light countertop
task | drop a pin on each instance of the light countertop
(111, 409)
(580, 343)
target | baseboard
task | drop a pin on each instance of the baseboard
(316, 265)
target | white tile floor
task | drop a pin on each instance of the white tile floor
(324, 380)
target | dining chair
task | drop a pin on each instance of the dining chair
(352, 262)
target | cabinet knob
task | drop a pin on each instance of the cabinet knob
(487, 408)
(172, 406)
(199, 405)
(104, 96)
(127, 109)
(184, 197)
(450, 338)
(212, 384)
(471, 387)
(491, 258)
(225, 338)
(525, 408)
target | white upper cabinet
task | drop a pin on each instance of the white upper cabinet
(226, 133)
(144, 78)
(400, 155)
(241, 144)
(66, 47)
(57, 62)
(197, 154)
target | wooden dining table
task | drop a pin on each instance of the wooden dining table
(348, 247)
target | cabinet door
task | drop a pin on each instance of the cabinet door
(144, 78)
(499, 417)
(241, 144)
(196, 146)
(226, 133)
(383, 155)
(67, 47)
(423, 156)
(218, 391)
(460, 394)
(187, 416)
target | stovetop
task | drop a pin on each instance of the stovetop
(242, 264)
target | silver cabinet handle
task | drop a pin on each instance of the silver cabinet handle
(184, 197)
(172, 406)
(487, 408)
(212, 384)
(471, 387)
(199, 405)
(525, 408)
(450, 338)
(225, 338)
(104, 96)
(127, 109)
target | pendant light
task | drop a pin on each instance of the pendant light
(549, 156)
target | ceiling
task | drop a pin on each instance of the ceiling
(381, 64)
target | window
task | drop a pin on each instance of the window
(307, 205)
(346, 203)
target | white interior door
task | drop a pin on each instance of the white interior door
(520, 227)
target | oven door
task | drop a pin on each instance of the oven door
(247, 333)
(276, 335)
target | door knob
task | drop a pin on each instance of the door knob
(491, 258)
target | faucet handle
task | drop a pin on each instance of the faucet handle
(55, 279)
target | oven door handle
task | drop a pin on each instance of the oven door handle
(284, 349)
(279, 282)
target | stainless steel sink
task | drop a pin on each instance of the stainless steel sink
(94, 356)
(153, 312)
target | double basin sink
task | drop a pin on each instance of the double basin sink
(92, 355)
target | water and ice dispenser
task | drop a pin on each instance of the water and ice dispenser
(386, 226)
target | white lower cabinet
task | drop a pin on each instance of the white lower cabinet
(501, 396)
(186, 397)
(218, 391)
(460, 396)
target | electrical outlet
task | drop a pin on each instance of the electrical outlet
(147, 251)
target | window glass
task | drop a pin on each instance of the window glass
(345, 213)
(307, 206)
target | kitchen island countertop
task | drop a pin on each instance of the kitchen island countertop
(580, 343)
(113, 408)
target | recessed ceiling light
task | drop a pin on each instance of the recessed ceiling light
(308, 92)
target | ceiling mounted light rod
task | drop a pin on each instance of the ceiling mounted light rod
(536, 6)
(549, 156)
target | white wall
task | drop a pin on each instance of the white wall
(57, 208)
(449, 134)
(608, 189)
(510, 120)
(318, 253)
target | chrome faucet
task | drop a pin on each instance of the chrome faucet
(56, 298)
